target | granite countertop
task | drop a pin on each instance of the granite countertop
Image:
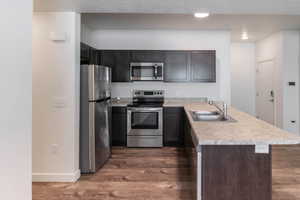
(246, 131)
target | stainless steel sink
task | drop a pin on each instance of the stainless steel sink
(210, 116)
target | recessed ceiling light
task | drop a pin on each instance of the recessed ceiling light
(245, 36)
(201, 14)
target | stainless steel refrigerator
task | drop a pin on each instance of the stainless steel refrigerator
(95, 117)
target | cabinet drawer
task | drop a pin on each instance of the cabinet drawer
(119, 109)
(173, 110)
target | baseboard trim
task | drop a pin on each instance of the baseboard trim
(56, 177)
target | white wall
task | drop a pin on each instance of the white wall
(85, 36)
(173, 40)
(243, 77)
(56, 97)
(290, 69)
(15, 89)
(283, 49)
(172, 90)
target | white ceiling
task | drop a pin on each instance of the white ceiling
(257, 26)
(172, 6)
(259, 18)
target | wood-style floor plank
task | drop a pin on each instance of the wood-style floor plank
(152, 174)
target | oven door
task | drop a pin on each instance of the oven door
(144, 121)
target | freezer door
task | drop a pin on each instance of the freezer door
(99, 82)
(105, 79)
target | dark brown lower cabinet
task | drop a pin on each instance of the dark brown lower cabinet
(173, 126)
(119, 126)
(235, 173)
(191, 153)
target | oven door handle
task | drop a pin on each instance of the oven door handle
(144, 109)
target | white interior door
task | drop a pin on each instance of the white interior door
(265, 91)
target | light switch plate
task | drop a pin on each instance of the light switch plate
(59, 102)
(262, 148)
(58, 36)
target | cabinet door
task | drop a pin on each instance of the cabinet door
(93, 56)
(119, 126)
(84, 54)
(108, 59)
(119, 62)
(99, 57)
(121, 70)
(203, 66)
(173, 126)
(176, 67)
(147, 56)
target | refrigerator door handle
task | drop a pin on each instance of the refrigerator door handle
(91, 83)
(92, 137)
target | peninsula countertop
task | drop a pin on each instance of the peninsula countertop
(246, 131)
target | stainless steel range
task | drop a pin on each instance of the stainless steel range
(145, 119)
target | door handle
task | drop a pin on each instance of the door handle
(272, 93)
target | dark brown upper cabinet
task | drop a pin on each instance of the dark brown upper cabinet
(84, 54)
(203, 66)
(176, 68)
(88, 55)
(179, 66)
(147, 56)
(119, 61)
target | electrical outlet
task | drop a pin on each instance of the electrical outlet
(54, 148)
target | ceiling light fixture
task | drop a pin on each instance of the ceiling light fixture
(245, 36)
(201, 14)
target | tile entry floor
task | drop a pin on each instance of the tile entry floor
(160, 174)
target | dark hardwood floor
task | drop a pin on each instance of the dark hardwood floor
(160, 174)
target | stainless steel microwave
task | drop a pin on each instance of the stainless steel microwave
(146, 71)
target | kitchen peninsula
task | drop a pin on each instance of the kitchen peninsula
(232, 160)
(228, 160)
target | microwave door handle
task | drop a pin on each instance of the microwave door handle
(155, 71)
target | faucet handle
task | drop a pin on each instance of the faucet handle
(225, 113)
(210, 102)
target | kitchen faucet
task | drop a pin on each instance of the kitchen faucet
(223, 110)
